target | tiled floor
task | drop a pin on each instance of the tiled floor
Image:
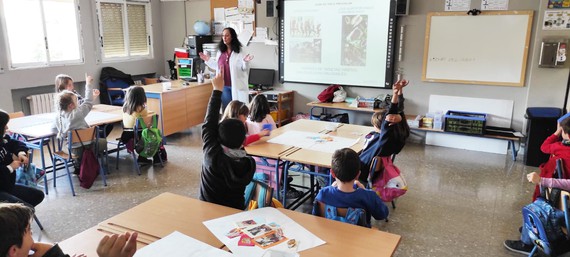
(460, 203)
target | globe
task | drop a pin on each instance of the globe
(202, 28)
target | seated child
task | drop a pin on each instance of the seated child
(16, 237)
(71, 115)
(65, 82)
(390, 132)
(239, 110)
(347, 191)
(259, 114)
(226, 168)
(13, 154)
(558, 146)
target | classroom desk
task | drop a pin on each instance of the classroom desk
(169, 212)
(510, 139)
(180, 107)
(338, 106)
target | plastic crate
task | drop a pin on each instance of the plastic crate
(465, 122)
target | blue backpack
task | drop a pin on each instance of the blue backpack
(354, 216)
(543, 223)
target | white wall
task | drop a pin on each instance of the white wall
(28, 78)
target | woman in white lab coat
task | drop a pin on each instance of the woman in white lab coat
(236, 67)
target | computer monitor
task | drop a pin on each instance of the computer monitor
(186, 69)
(261, 78)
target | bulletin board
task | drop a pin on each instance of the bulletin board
(488, 49)
(227, 4)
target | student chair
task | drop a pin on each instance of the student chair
(355, 216)
(34, 144)
(115, 91)
(137, 130)
(85, 136)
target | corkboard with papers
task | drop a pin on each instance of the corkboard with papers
(238, 14)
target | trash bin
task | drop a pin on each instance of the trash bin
(541, 124)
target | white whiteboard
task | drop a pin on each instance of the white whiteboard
(490, 48)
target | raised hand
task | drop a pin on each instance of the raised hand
(204, 56)
(96, 93)
(88, 79)
(248, 58)
(218, 81)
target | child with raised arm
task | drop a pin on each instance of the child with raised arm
(16, 237)
(239, 110)
(65, 82)
(226, 168)
(13, 154)
(70, 115)
(390, 132)
(346, 191)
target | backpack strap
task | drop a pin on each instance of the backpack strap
(141, 122)
(154, 122)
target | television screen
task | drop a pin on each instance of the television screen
(261, 77)
(347, 42)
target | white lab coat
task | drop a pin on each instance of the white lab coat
(239, 74)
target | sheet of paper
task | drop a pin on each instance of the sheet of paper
(180, 245)
(494, 5)
(291, 229)
(245, 35)
(219, 27)
(219, 14)
(457, 5)
(95, 117)
(232, 11)
(245, 6)
(313, 141)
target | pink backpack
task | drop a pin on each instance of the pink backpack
(388, 183)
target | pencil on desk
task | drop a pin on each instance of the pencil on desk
(134, 230)
(113, 233)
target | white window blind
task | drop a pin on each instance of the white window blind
(124, 28)
(42, 32)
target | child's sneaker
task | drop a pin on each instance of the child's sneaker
(518, 246)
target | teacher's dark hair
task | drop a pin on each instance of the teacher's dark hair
(236, 45)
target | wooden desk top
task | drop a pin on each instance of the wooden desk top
(342, 106)
(168, 212)
(344, 239)
(176, 85)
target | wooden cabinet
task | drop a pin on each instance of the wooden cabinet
(281, 103)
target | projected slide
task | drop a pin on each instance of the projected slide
(335, 42)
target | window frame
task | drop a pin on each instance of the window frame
(129, 56)
(48, 62)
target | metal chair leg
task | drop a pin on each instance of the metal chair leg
(38, 222)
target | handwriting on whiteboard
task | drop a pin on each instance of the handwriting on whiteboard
(452, 59)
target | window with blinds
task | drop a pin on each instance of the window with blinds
(124, 28)
(47, 35)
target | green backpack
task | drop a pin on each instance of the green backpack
(150, 140)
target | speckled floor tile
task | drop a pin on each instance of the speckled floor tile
(459, 203)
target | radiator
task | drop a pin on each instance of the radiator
(42, 103)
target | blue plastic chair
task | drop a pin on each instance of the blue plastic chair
(115, 90)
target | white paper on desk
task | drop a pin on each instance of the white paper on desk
(313, 141)
(180, 245)
(291, 229)
(219, 14)
(95, 117)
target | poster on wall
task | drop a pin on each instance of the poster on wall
(494, 5)
(556, 20)
(457, 5)
(558, 4)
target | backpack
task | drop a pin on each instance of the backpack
(354, 216)
(543, 224)
(89, 165)
(29, 175)
(259, 194)
(150, 140)
(388, 183)
(327, 95)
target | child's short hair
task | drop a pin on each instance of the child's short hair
(565, 124)
(14, 220)
(135, 97)
(234, 109)
(61, 82)
(232, 133)
(64, 99)
(378, 118)
(345, 164)
(259, 108)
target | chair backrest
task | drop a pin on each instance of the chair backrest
(148, 81)
(14, 115)
(355, 216)
(83, 135)
(115, 89)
